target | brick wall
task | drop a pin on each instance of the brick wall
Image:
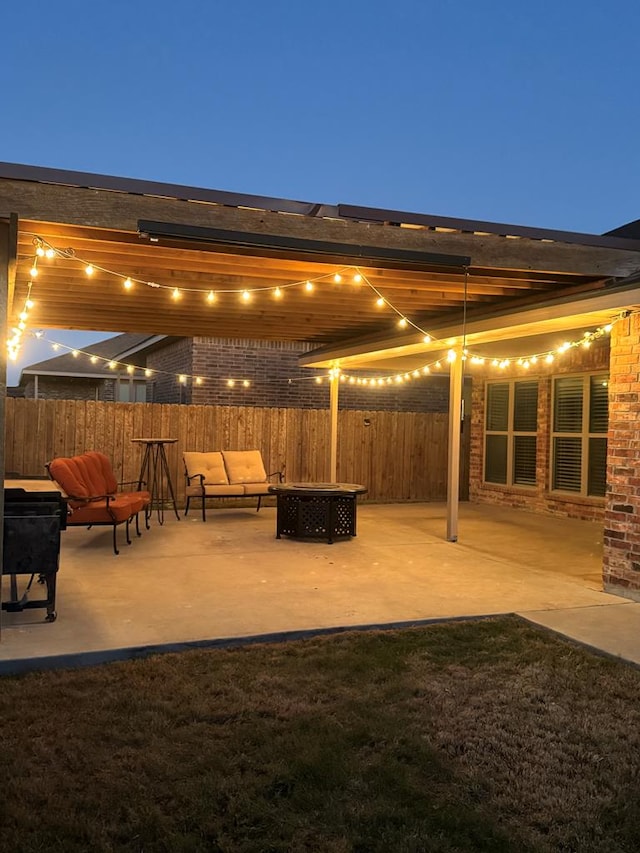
(622, 532)
(536, 498)
(271, 367)
(64, 388)
(170, 361)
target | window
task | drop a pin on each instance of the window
(132, 391)
(511, 433)
(579, 434)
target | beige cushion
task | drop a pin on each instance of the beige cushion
(210, 464)
(244, 466)
(255, 488)
(223, 491)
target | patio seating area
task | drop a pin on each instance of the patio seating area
(188, 583)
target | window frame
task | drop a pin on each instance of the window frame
(511, 433)
(585, 435)
(131, 383)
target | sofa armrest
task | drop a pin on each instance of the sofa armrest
(194, 477)
(279, 474)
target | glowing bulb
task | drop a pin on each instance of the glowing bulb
(277, 293)
(112, 365)
(198, 380)
(608, 327)
(380, 381)
(22, 325)
(357, 278)
(586, 343)
(246, 296)
(426, 339)
(337, 278)
(402, 322)
(148, 373)
(380, 302)
(127, 284)
(55, 346)
(33, 272)
(352, 380)
(23, 315)
(319, 380)
(438, 365)
(231, 383)
(176, 293)
(40, 251)
(525, 364)
(416, 373)
(29, 304)
(308, 286)
(451, 355)
(182, 379)
(49, 253)
(74, 353)
(94, 359)
(211, 297)
(426, 369)
(245, 383)
(130, 368)
(398, 378)
(534, 359)
(89, 269)
(549, 358)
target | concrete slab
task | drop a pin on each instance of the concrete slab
(192, 582)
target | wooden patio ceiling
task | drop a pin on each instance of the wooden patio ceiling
(261, 244)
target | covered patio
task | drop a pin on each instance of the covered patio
(192, 583)
(135, 256)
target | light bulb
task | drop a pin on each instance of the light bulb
(246, 296)
(308, 286)
(49, 253)
(33, 272)
(402, 322)
(182, 379)
(357, 278)
(74, 353)
(127, 284)
(211, 297)
(176, 293)
(337, 278)
(230, 383)
(94, 359)
(89, 269)
(451, 355)
(112, 365)
(130, 368)
(29, 304)
(245, 383)
(277, 293)
(198, 380)
(426, 339)
(40, 251)
(380, 302)
(148, 373)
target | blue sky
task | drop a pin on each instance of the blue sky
(510, 112)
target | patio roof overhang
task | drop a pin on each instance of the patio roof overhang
(511, 281)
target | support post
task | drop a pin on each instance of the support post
(455, 421)
(8, 255)
(334, 383)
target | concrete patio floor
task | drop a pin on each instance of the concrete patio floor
(190, 583)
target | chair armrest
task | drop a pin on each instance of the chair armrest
(193, 477)
(133, 483)
(278, 474)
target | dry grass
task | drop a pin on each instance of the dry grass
(469, 736)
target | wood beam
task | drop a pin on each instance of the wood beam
(122, 211)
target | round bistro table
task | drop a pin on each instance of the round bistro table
(316, 510)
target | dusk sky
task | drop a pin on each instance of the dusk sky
(526, 114)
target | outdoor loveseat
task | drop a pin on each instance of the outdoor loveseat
(92, 493)
(226, 474)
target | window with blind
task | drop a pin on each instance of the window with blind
(511, 433)
(132, 391)
(579, 434)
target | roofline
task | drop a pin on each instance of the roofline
(89, 180)
(28, 371)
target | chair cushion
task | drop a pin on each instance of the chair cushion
(244, 466)
(104, 466)
(254, 489)
(210, 465)
(68, 476)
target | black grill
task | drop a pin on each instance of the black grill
(31, 546)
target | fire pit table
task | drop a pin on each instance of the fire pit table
(316, 510)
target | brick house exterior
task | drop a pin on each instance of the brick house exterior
(270, 367)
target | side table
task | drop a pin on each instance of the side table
(155, 472)
(316, 510)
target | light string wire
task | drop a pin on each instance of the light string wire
(44, 249)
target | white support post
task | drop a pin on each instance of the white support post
(455, 423)
(334, 382)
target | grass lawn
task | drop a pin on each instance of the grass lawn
(488, 735)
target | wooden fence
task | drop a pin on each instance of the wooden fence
(397, 455)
